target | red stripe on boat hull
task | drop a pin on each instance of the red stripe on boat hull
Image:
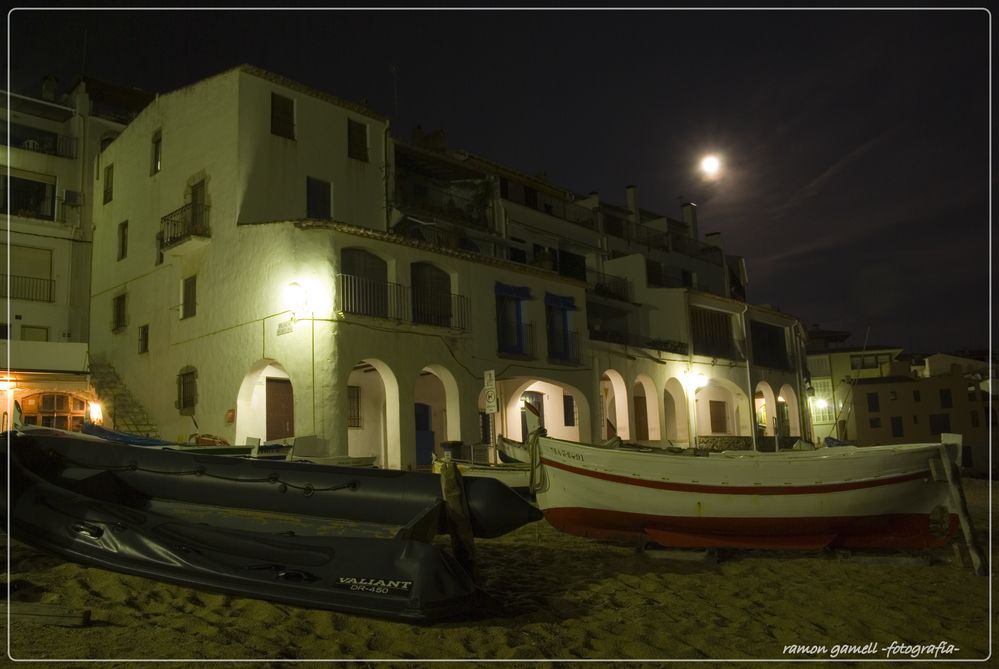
(789, 489)
(896, 531)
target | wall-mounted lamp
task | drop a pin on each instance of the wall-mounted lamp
(693, 380)
(96, 413)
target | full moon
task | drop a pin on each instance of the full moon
(710, 165)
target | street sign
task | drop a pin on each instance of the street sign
(489, 381)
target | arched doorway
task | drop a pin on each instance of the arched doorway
(646, 409)
(788, 411)
(373, 415)
(676, 414)
(564, 409)
(265, 404)
(614, 404)
(437, 411)
(722, 415)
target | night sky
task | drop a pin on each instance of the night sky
(855, 144)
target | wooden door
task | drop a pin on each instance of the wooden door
(280, 409)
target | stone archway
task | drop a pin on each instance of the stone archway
(264, 393)
(676, 413)
(791, 414)
(647, 426)
(437, 411)
(373, 413)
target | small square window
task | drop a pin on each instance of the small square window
(875, 422)
(282, 116)
(357, 140)
(892, 395)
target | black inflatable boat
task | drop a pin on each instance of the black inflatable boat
(356, 540)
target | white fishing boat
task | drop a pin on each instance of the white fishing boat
(869, 497)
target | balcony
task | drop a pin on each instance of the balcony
(608, 285)
(564, 347)
(641, 341)
(459, 203)
(515, 339)
(28, 288)
(185, 229)
(39, 141)
(382, 299)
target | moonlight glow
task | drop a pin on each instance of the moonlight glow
(711, 166)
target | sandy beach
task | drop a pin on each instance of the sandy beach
(552, 596)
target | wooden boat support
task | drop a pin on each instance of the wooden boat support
(356, 540)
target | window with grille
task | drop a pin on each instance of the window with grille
(357, 140)
(712, 333)
(187, 390)
(144, 339)
(119, 317)
(896, 427)
(353, 406)
(282, 116)
(157, 154)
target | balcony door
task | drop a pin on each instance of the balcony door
(280, 409)
(431, 294)
(364, 283)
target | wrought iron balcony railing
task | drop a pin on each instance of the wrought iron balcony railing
(564, 346)
(28, 288)
(191, 220)
(608, 285)
(38, 140)
(515, 338)
(382, 299)
(642, 341)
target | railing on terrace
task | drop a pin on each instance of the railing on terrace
(516, 338)
(567, 211)
(191, 220)
(642, 341)
(440, 308)
(383, 299)
(29, 288)
(419, 198)
(651, 238)
(38, 140)
(608, 285)
(564, 348)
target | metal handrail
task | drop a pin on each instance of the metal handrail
(191, 220)
(28, 288)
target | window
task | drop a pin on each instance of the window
(119, 317)
(822, 404)
(974, 419)
(189, 299)
(916, 397)
(512, 334)
(159, 248)
(864, 361)
(143, 339)
(769, 345)
(4, 331)
(875, 422)
(939, 422)
(712, 333)
(57, 410)
(562, 343)
(187, 390)
(317, 198)
(873, 403)
(896, 427)
(157, 153)
(357, 140)
(569, 410)
(892, 395)
(28, 275)
(122, 240)
(946, 401)
(353, 406)
(282, 116)
(34, 333)
(719, 417)
(29, 195)
(108, 183)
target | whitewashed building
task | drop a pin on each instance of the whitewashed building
(270, 263)
(49, 144)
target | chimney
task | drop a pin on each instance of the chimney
(689, 210)
(49, 84)
(631, 193)
(715, 239)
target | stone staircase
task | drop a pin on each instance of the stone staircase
(122, 411)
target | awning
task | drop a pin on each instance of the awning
(566, 302)
(516, 292)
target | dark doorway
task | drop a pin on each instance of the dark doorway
(280, 409)
(538, 400)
